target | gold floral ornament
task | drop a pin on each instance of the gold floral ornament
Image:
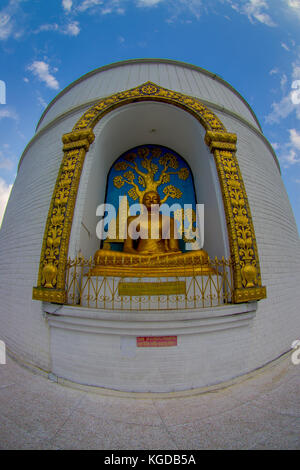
(149, 89)
(51, 281)
(241, 221)
(247, 278)
(153, 176)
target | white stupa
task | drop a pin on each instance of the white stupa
(51, 217)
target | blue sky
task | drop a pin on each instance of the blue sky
(252, 44)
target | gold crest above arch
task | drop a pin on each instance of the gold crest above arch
(54, 254)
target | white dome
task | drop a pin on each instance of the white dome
(96, 347)
(170, 74)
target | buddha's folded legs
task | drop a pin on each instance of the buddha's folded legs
(108, 257)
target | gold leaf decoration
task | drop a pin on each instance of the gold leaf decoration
(118, 182)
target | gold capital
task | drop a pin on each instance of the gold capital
(220, 141)
(78, 139)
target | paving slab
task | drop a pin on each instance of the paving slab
(261, 411)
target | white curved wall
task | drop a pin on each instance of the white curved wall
(277, 322)
(129, 74)
(278, 317)
(22, 326)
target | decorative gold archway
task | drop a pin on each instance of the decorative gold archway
(51, 277)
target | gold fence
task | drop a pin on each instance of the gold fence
(195, 288)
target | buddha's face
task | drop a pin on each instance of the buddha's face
(151, 198)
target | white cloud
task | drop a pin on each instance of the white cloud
(5, 190)
(296, 70)
(71, 29)
(7, 159)
(275, 145)
(86, 4)
(6, 26)
(47, 27)
(6, 163)
(280, 110)
(295, 139)
(148, 3)
(177, 7)
(289, 153)
(180, 8)
(295, 5)
(106, 6)
(106, 11)
(8, 113)
(42, 102)
(283, 82)
(255, 11)
(12, 17)
(67, 5)
(286, 106)
(41, 70)
(289, 158)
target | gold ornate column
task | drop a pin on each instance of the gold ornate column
(247, 278)
(51, 278)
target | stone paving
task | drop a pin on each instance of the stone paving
(260, 412)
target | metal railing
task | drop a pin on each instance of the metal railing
(190, 289)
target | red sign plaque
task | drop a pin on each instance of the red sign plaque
(156, 341)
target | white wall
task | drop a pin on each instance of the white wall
(22, 326)
(98, 347)
(130, 74)
(278, 317)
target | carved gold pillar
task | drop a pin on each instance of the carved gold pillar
(247, 278)
(51, 278)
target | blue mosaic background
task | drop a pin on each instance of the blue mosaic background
(185, 186)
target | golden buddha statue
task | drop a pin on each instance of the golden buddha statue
(151, 248)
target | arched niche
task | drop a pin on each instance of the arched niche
(72, 185)
(134, 125)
